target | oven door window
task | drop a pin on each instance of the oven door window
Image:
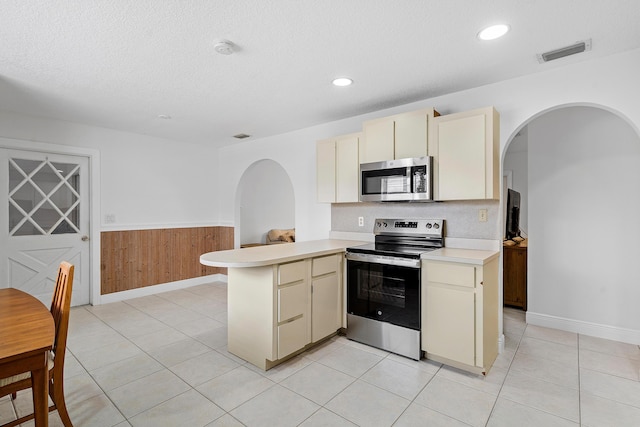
(384, 292)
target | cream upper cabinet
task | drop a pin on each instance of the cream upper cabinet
(347, 168)
(396, 137)
(460, 314)
(411, 134)
(465, 147)
(337, 169)
(326, 171)
(378, 140)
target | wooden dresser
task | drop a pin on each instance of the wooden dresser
(514, 277)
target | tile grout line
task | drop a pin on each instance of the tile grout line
(579, 385)
(507, 374)
(104, 392)
(168, 368)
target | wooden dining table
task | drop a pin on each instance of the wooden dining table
(26, 336)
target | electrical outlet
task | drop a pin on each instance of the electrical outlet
(482, 215)
(360, 221)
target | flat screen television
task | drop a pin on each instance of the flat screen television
(513, 214)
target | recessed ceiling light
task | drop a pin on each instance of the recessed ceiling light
(164, 116)
(342, 81)
(493, 32)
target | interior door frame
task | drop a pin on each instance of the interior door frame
(94, 198)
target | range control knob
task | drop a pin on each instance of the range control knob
(378, 224)
(429, 225)
(436, 225)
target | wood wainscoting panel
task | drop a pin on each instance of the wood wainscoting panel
(134, 259)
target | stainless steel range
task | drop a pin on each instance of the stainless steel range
(383, 284)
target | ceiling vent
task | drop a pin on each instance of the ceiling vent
(577, 47)
(241, 136)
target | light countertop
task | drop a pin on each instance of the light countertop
(469, 256)
(258, 256)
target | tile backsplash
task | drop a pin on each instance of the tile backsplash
(461, 217)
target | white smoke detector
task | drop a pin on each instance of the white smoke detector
(223, 47)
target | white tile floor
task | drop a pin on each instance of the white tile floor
(162, 361)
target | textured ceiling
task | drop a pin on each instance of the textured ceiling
(121, 63)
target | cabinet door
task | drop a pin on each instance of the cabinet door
(466, 152)
(461, 158)
(411, 135)
(450, 323)
(515, 276)
(347, 169)
(326, 171)
(377, 144)
(325, 307)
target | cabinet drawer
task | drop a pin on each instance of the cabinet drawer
(292, 272)
(292, 301)
(324, 265)
(451, 274)
(292, 336)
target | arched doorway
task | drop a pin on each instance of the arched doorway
(583, 204)
(264, 200)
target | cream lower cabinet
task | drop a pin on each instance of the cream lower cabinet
(326, 296)
(293, 307)
(273, 313)
(460, 314)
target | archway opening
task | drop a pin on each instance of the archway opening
(581, 189)
(264, 201)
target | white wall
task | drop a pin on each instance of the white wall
(602, 82)
(265, 201)
(144, 181)
(605, 82)
(584, 210)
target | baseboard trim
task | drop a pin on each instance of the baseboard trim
(164, 287)
(614, 333)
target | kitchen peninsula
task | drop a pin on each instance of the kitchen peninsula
(282, 299)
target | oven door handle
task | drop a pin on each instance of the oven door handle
(382, 259)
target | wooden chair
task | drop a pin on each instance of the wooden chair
(60, 308)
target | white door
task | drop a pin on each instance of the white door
(44, 219)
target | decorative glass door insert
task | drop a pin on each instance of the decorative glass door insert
(44, 197)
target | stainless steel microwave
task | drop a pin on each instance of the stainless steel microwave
(401, 180)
